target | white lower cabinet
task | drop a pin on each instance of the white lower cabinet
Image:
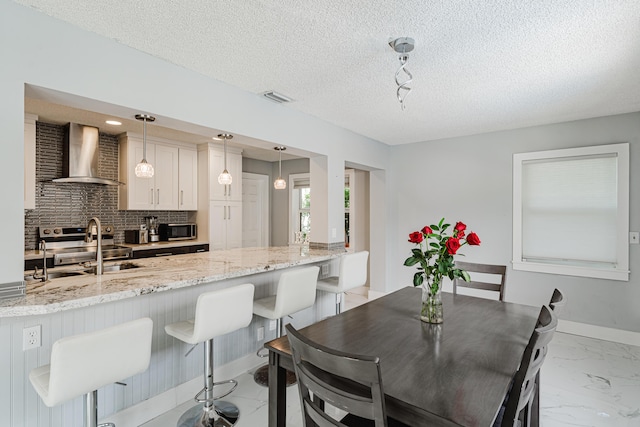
(225, 225)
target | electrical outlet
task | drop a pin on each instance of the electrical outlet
(260, 334)
(31, 337)
(272, 325)
(325, 270)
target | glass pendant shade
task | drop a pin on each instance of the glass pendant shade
(225, 178)
(144, 169)
(279, 184)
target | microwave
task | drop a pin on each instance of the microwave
(177, 231)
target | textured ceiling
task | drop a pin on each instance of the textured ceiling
(478, 66)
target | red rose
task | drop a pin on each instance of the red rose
(415, 237)
(427, 230)
(460, 234)
(473, 239)
(460, 226)
(453, 245)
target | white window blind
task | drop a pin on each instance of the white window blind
(571, 211)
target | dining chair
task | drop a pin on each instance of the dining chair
(499, 272)
(349, 382)
(518, 406)
(557, 301)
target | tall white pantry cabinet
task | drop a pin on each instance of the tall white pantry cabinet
(220, 206)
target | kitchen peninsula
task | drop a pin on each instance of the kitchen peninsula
(157, 275)
(164, 289)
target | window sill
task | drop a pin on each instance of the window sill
(568, 270)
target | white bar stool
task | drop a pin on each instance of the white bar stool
(217, 313)
(81, 364)
(353, 273)
(296, 291)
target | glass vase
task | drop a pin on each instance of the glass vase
(431, 311)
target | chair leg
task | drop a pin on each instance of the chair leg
(261, 375)
(91, 411)
(210, 413)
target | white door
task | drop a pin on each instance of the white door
(255, 210)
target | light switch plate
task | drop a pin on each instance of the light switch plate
(634, 237)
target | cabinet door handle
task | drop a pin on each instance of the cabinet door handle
(158, 201)
(229, 207)
(181, 197)
(151, 191)
(224, 212)
(229, 192)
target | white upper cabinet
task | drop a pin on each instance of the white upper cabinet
(232, 191)
(163, 190)
(188, 179)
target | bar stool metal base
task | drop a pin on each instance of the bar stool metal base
(226, 415)
(261, 376)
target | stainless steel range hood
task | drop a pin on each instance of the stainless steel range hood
(80, 156)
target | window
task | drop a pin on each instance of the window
(571, 211)
(300, 196)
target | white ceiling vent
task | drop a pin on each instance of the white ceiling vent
(277, 97)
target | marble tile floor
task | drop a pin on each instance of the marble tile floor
(585, 382)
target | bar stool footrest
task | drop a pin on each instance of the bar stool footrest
(199, 400)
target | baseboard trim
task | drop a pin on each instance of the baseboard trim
(599, 332)
(170, 399)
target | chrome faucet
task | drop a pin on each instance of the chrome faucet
(45, 275)
(89, 238)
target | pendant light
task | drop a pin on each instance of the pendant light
(225, 177)
(280, 184)
(144, 169)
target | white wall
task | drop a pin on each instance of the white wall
(469, 179)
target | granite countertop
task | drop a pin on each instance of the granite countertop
(156, 275)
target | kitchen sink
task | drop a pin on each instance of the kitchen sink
(91, 270)
(114, 267)
(56, 275)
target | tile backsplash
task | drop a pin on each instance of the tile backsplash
(73, 204)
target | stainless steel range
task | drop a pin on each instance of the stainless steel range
(68, 246)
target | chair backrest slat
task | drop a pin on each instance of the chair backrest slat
(346, 381)
(497, 270)
(557, 301)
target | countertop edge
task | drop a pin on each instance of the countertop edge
(20, 307)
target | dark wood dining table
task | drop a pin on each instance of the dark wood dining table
(453, 374)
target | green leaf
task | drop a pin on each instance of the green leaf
(435, 228)
(417, 279)
(411, 261)
(417, 253)
(465, 276)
